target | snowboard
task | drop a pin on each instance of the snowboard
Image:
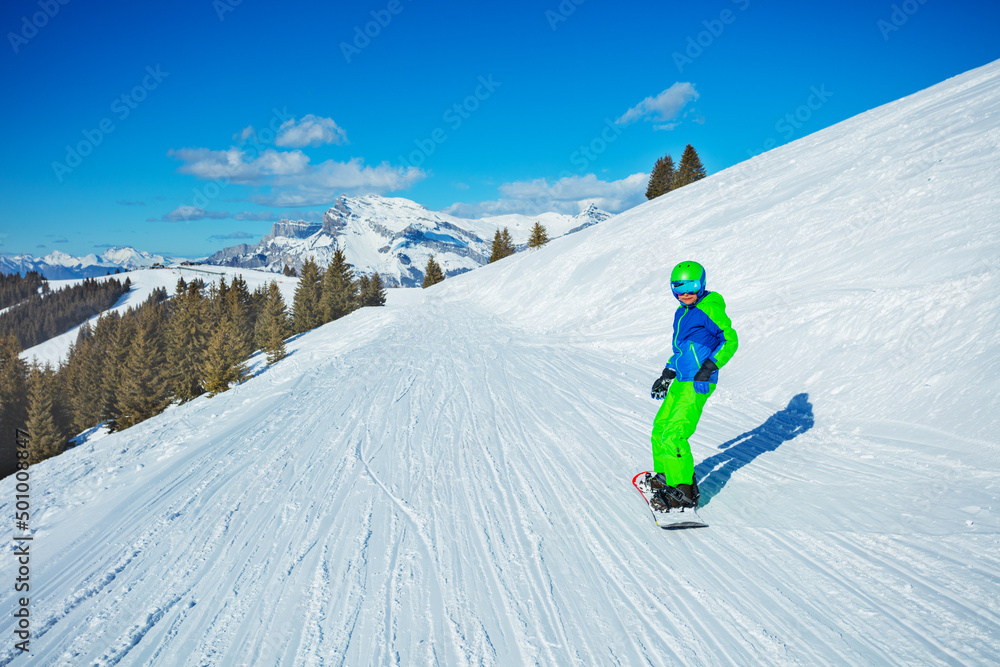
(686, 517)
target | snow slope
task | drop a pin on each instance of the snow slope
(144, 281)
(446, 480)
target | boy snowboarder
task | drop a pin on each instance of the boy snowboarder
(704, 341)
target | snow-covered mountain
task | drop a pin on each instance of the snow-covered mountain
(395, 237)
(446, 480)
(58, 265)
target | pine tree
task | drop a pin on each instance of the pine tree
(258, 302)
(274, 324)
(497, 249)
(503, 245)
(539, 236)
(223, 369)
(363, 287)
(508, 243)
(239, 311)
(187, 342)
(662, 180)
(339, 292)
(260, 297)
(226, 350)
(62, 406)
(218, 297)
(372, 291)
(433, 274)
(306, 305)
(690, 169)
(45, 439)
(377, 294)
(13, 403)
(122, 331)
(144, 392)
(81, 375)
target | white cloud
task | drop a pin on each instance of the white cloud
(234, 235)
(570, 194)
(320, 185)
(310, 131)
(236, 166)
(190, 213)
(255, 215)
(663, 108)
(293, 181)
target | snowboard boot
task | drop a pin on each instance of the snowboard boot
(670, 498)
(690, 492)
(656, 481)
(659, 501)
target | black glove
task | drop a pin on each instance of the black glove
(702, 377)
(662, 383)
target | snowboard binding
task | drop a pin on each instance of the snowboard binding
(665, 498)
(672, 507)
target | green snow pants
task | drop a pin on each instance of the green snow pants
(674, 423)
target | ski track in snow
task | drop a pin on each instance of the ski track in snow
(457, 520)
(447, 480)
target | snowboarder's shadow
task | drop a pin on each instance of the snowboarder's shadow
(714, 472)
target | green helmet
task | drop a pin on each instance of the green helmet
(688, 277)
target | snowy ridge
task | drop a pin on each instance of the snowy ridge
(446, 480)
(143, 282)
(394, 237)
(58, 265)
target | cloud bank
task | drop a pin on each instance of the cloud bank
(570, 194)
(310, 131)
(664, 109)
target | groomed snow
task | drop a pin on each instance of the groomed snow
(446, 480)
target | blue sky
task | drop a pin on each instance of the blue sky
(185, 127)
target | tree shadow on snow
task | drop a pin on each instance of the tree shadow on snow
(714, 472)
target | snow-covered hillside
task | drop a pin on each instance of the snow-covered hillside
(446, 480)
(144, 281)
(394, 237)
(58, 265)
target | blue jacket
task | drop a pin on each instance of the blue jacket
(702, 331)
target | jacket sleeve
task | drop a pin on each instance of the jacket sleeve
(727, 348)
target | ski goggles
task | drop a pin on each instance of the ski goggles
(685, 286)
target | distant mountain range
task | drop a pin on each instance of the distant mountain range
(389, 235)
(58, 265)
(394, 237)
